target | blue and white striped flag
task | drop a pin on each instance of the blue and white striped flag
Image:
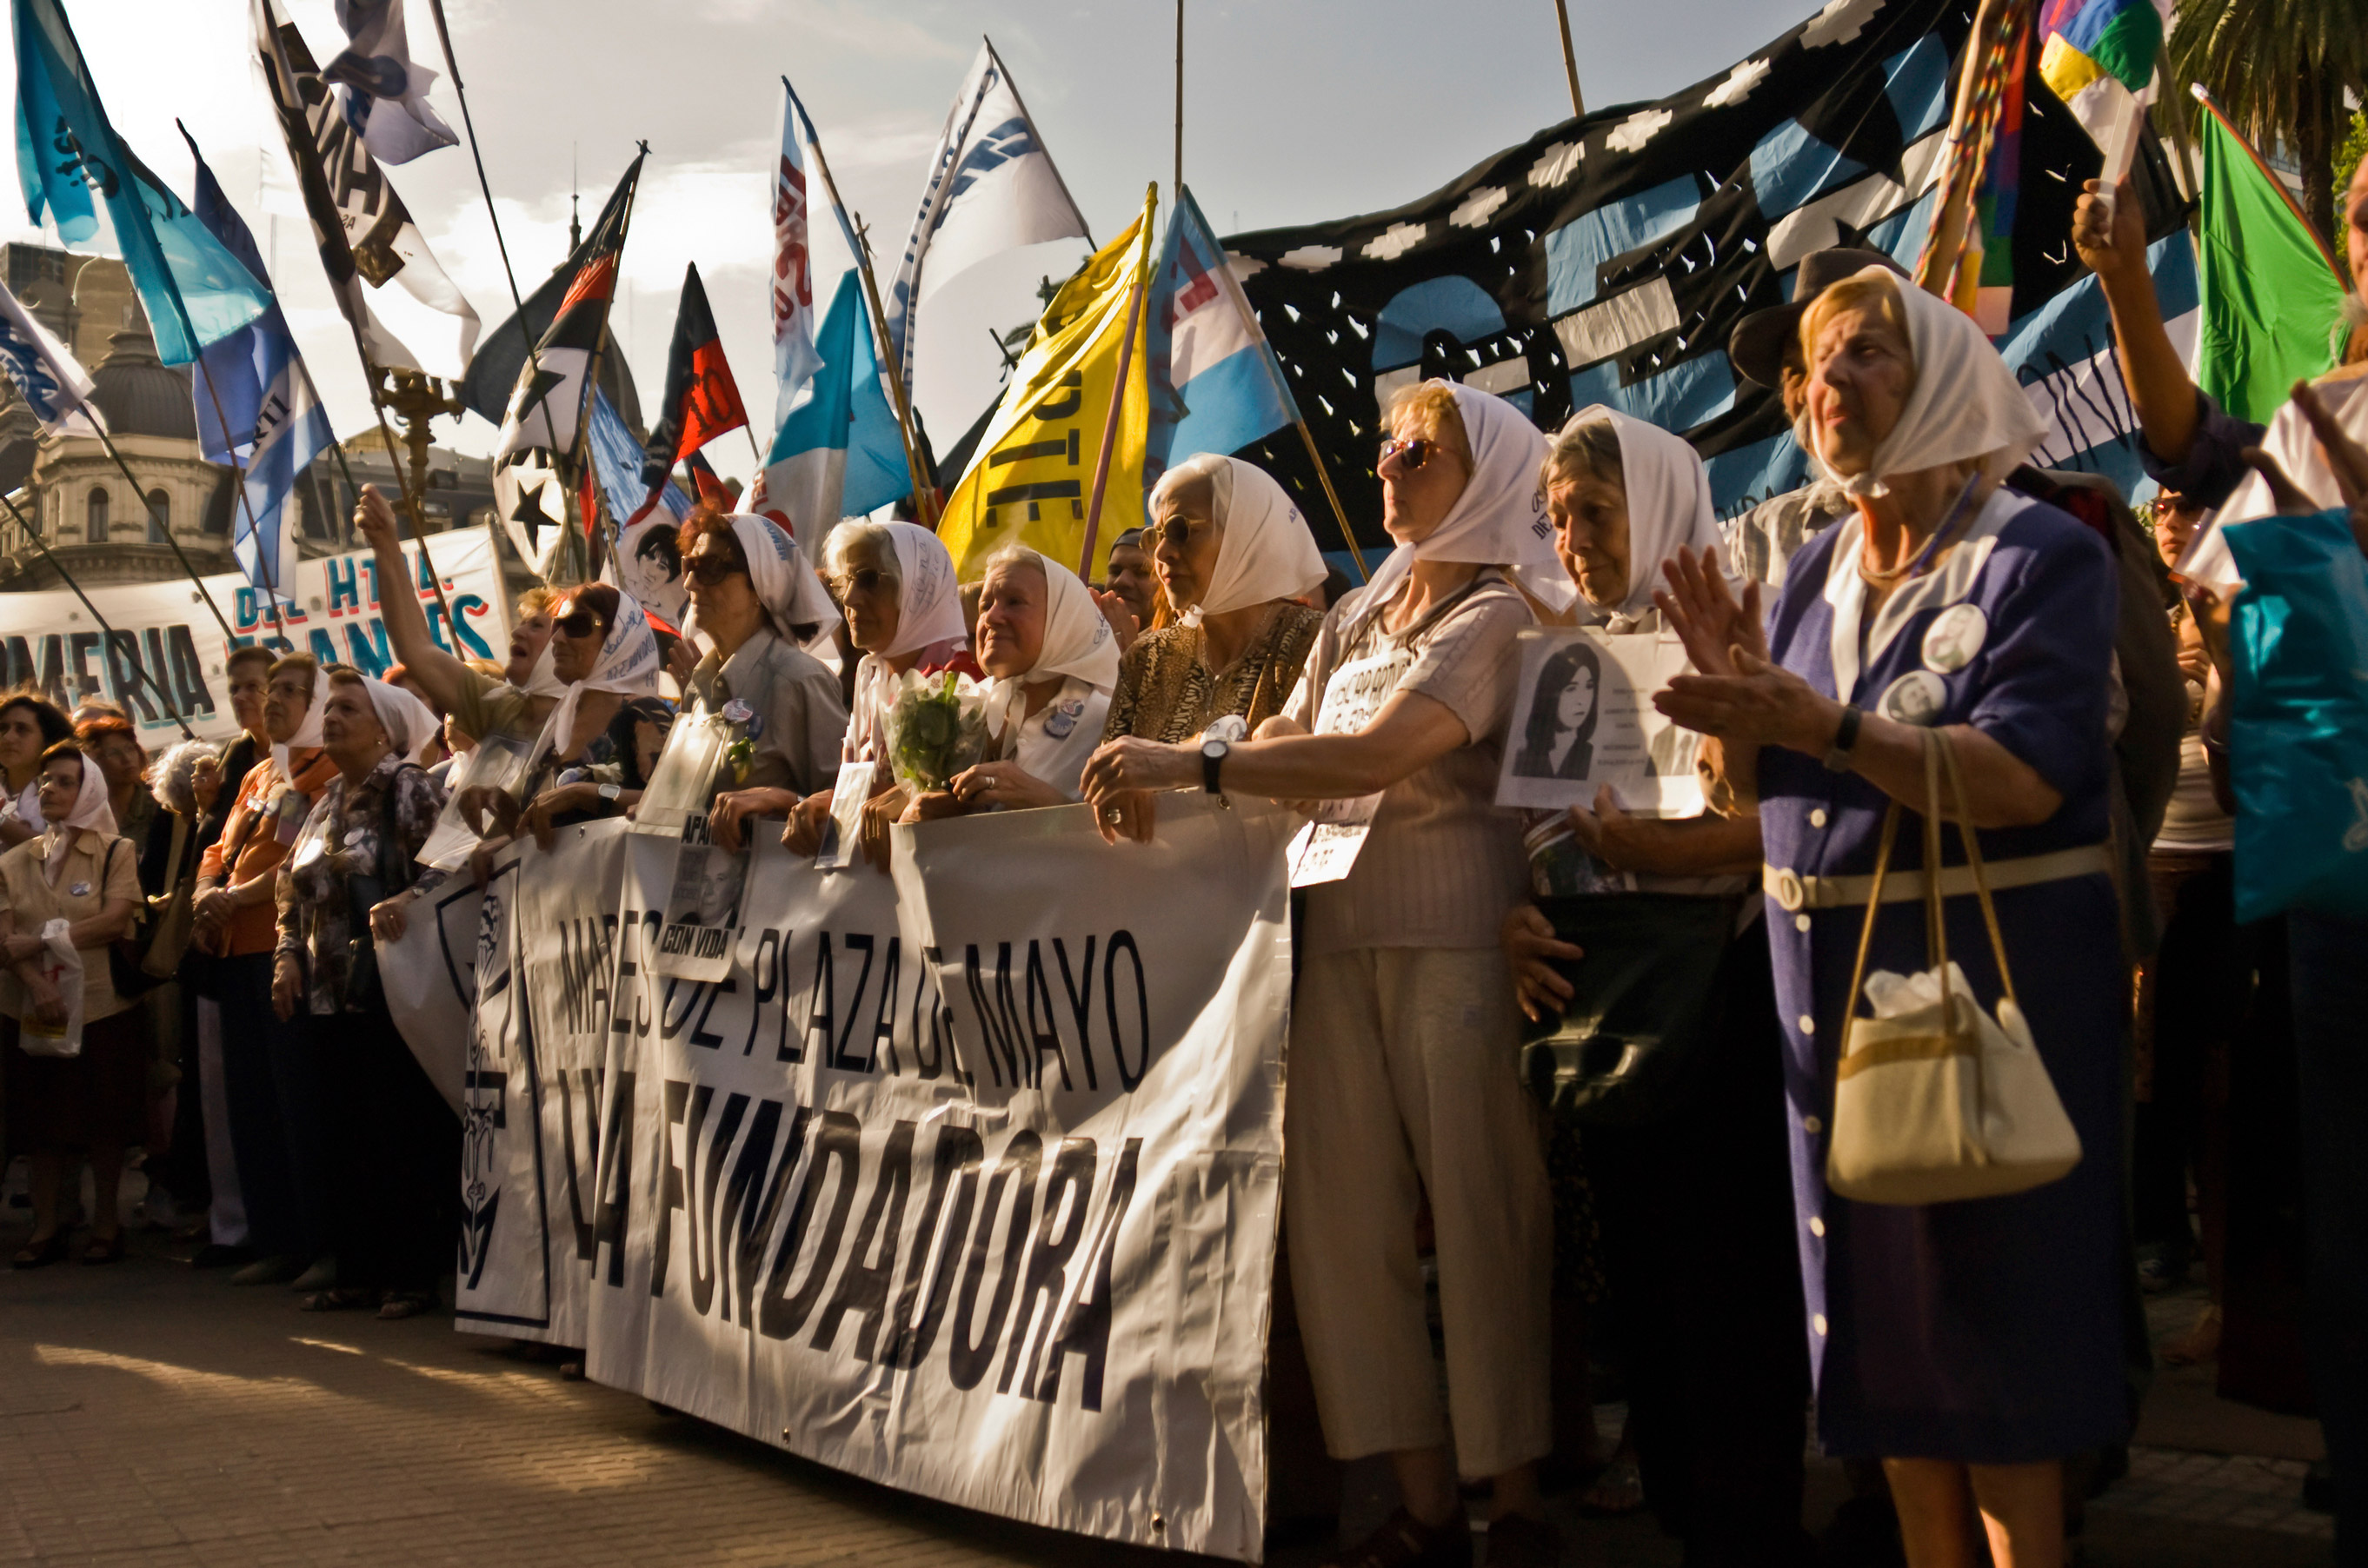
(53, 384)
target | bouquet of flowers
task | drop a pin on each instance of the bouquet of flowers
(935, 727)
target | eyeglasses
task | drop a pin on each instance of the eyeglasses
(862, 580)
(2164, 507)
(579, 624)
(711, 569)
(1177, 533)
(1411, 454)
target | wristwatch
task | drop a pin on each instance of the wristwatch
(1838, 760)
(1213, 762)
(610, 792)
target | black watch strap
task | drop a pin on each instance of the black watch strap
(1213, 764)
(1838, 760)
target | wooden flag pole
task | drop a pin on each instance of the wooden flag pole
(1118, 389)
(179, 554)
(1176, 192)
(238, 477)
(1570, 59)
(172, 709)
(1961, 176)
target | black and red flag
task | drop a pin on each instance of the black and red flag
(548, 386)
(701, 401)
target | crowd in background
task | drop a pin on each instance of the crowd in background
(1929, 607)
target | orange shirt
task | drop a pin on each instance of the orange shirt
(255, 837)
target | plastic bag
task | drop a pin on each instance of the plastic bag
(61, 966)
(935, 728)
(2298, 737)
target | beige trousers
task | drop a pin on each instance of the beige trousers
(1404, 1080)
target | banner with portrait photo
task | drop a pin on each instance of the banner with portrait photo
(1583, 720)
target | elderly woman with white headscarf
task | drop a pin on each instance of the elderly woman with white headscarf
(1692, 1198)
(61, 1109)
(1404, 1034)
(755, 607)
(1233, 556)
(394, 1144)
(1970, 1345)
(895, 584)
(1052, 659)
(602, 647)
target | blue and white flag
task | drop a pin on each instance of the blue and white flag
(256, 408)
(1217, 385)
(194, 291)
(839, 453)
(646, 561)
(991, 188)
(382, 91)
(52, 383)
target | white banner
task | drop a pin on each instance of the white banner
(965, 1181)
(164, 628)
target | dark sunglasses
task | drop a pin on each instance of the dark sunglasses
(580, 624)
(1176, 533)
(711, 569)
(2164, 506)
(1411, 455)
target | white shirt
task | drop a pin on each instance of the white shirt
(1056, 741)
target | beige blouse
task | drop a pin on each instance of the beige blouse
(96, 869)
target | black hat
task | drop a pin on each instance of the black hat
(1757, 347)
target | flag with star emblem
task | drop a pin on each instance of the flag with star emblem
(531, 502)
(546, 402)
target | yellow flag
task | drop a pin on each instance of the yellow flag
(1033, 476)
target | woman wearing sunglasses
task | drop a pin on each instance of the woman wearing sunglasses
(894, 583)
(603, 648)
(756, 606)
(1404, 1034)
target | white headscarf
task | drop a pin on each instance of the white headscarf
(90, 811)
(1077, 644)
(1265, 550)
(781, 575)
(928, 600)
(308, 731)
(1966, 404)
(627, 664)
(1500, 518)
(1669, 501)
(409, 724)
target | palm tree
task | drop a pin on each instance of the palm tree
(2278, 69)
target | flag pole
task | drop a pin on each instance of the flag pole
(1118, 387)
(1176, 191)
(172, 709)
(238, 477)
(924, 499)
(1569, 61)
(179, 554)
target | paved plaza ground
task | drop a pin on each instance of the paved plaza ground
(151, 1414)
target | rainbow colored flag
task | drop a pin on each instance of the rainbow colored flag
(1993, 303)
(2095, 52)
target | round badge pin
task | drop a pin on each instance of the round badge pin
(1916, 698)
(1955, 635)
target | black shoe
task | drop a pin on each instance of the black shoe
(1405, 1541)
(213, 1255)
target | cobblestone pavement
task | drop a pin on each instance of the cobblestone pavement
(153, 1415)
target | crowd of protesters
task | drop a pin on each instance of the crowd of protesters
(1929, 607)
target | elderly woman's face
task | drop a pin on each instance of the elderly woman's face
(1590, 524)
(1417, 496)
(120, 758)
(350, 728)
(205, 781)
(286, 702)
(718, 583)
(577, 633)
(1861, 374)
(527, 641)
(867, 596)
(61, 784)
(1189, 538)
(1011, 619)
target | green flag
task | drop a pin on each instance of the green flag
(2272, 298)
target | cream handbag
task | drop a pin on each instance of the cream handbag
(1934, 1100)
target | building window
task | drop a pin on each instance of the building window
(95, 526)
(160, 517)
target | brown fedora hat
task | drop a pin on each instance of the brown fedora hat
(1757, 346)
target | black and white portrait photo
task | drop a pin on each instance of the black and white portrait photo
(1564, 704)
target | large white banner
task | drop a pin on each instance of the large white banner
(165, 630)
(964, 1180)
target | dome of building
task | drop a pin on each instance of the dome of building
(139, 394)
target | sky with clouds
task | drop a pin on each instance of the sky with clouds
(1295, 111)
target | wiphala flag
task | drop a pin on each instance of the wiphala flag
(1606, 261)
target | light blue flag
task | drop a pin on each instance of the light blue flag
(838, 453)
(256, 407)
(195, 291)
(617, 459)
(1216, 386)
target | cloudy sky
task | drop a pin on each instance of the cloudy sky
(1295, 111)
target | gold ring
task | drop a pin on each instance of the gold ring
(1112, 815)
